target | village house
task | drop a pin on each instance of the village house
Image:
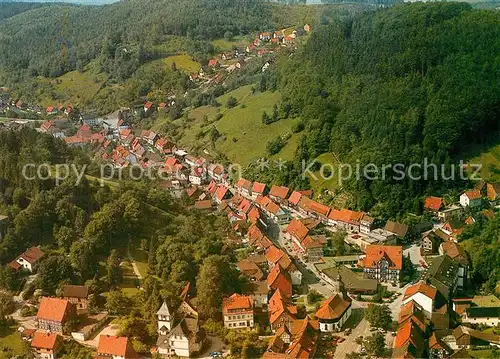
(148, 106)
(449, 213)
(409, 341)
(431, 241)
(186, 339)
(347, 220)
(273, 210)
(51, 110)
(213, 64)
(238, 312)
(222, 193)
(313, 209)
(53, 313)
(282, 312)
(333, 313)
(250, 269)
(258, 189)
(383, 263)
(423, 294)
(77, 295)
(339, 275)
(489, 316)
(471, 199)
(275, 256)
(258, 291)
(399, 229)
(280, 279)
(457, 254)
(443, 275)
(366, 224)
(466, 337)
(279, 194)
(244, 187)
(216, 171)
(493, 192)
(27, 260)
(46, 345)
(433, 204)
(197, 176)
(115, 348)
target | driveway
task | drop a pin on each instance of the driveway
(414, 252)
(215, 345)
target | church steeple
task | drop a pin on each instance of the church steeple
(341, 288)
(165, 319)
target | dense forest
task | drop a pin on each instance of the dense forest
(395, 86)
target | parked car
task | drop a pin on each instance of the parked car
(340, 340)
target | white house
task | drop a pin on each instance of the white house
(422, 294)
(482, 315)
(470, 199)
(27, 260)
(238, 312)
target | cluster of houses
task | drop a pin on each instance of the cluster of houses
(229, 61)
(432, 320)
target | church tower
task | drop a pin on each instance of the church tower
(165, 319)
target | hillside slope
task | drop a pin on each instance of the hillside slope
(398, 86)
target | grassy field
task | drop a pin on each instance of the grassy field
(182, 62)
(75, 88)
(237, 41)
(482, 354)
(490, 161)
(130, 280)
(11, 344)
(243, 135)
(141, 259)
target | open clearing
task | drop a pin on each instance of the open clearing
(182, 62)
(243, 136)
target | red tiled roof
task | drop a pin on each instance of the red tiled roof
(258, 188)
(206, 204)
(297, 229)
(420, 287)
(295, 197)
(237, 302)
(313, 206)
(221, 192)
(433, 203)
(42, 340)
(245, 205)
(393, 254)
(473, 194)
(253, 215)
(279, 191)
(409, 332)
(244, 183)
(346, 216)
(332, 308)
(148, 105)
(53, 309)
(118, 346)
(280, 279)
(273, 254)
(278, 304)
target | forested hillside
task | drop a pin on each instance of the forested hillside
(52, 40)
(10, 9)
(396, 86)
